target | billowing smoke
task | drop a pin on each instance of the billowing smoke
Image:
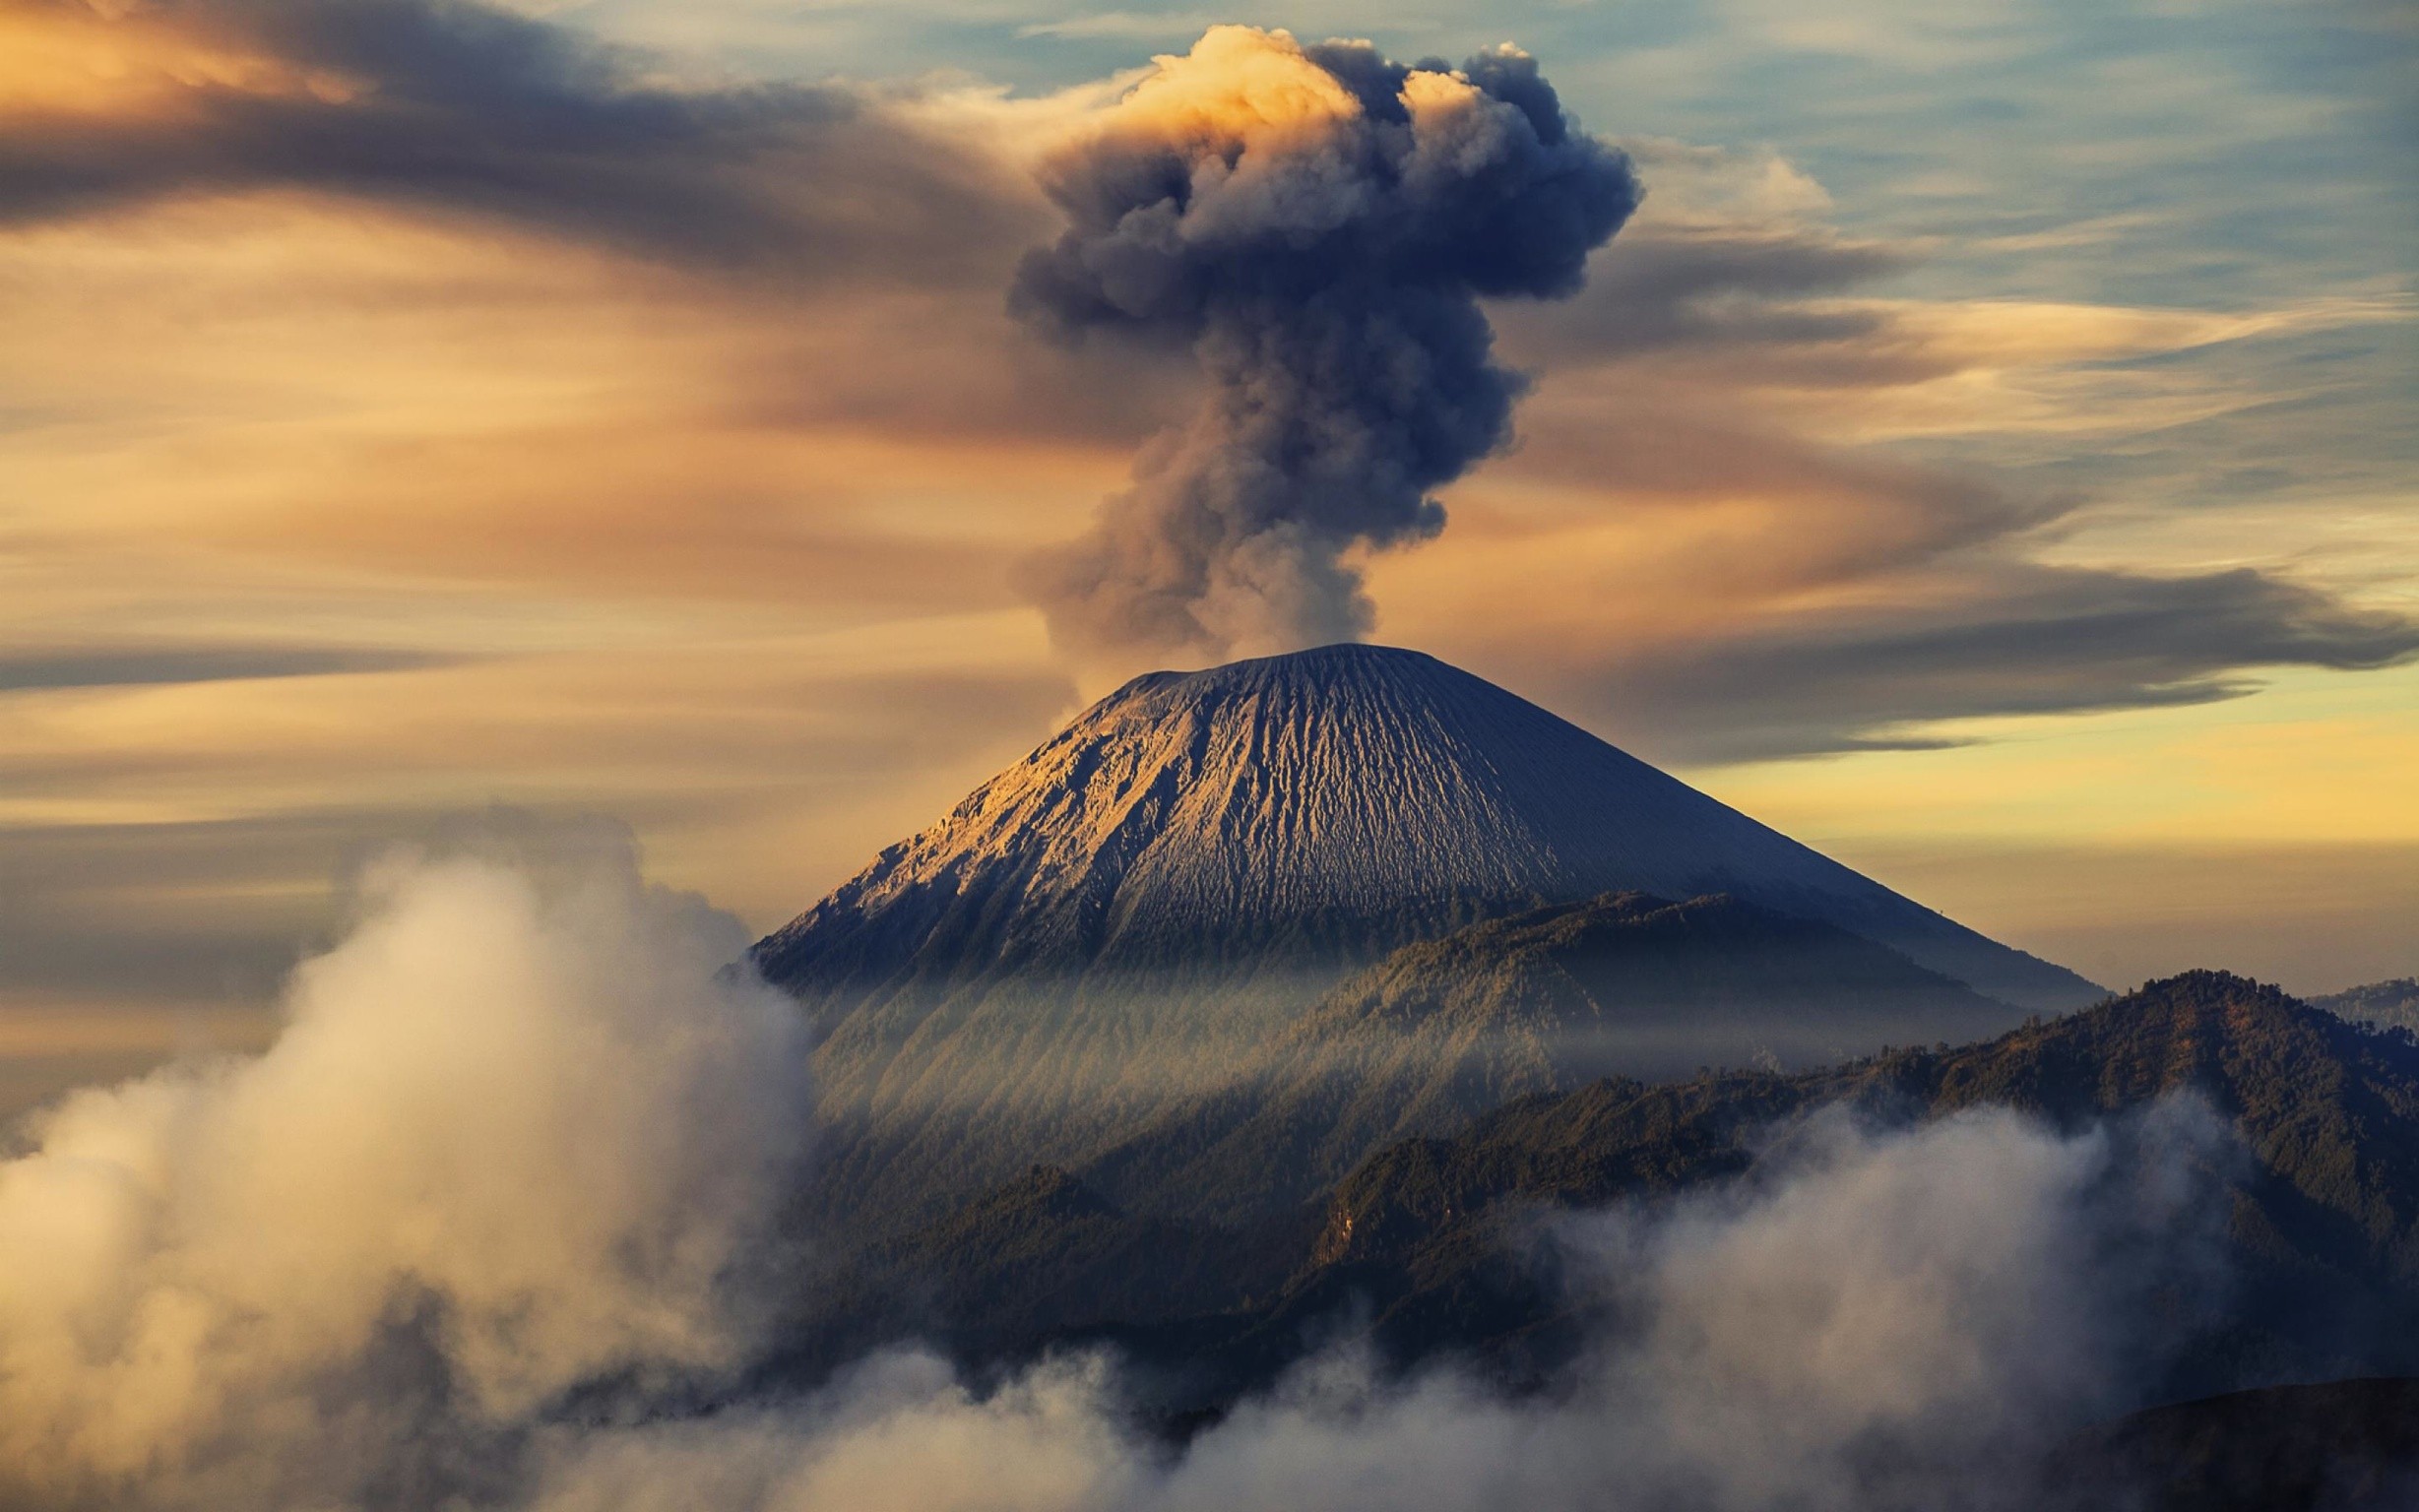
(1317, 225)
(515, 1135)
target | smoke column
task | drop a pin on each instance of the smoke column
(1316, 225)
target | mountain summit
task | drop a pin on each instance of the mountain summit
(1312, 811)
(1135, 917)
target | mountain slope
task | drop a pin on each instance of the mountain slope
(2342, 1446)
(1315, 808)
(2325, 1227)
(1118, 922)
(1543, 1001)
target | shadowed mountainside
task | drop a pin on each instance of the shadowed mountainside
(1543, 1001)
(1430, 1245)
(2341, 1446)
(2325, 1227)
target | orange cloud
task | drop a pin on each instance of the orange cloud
(96, 60)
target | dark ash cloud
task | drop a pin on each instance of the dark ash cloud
(115, 667)
(462, 108)
(1316, 225)
(1655, 290)
(2021, 639)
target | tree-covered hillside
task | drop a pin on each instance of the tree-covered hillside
(2383, 1003)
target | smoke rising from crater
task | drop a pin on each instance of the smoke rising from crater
(1316, 225)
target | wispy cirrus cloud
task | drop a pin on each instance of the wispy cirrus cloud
(466, 110)
(117, 666)
(1718, 508)
(1141, 26)
(2007, 639)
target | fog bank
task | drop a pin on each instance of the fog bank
(503, 1196)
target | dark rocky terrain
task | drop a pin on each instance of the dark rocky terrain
(2332, 1446)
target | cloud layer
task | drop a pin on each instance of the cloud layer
(812, 274)
(472, 111)
(517, 1132)
(502, 1206)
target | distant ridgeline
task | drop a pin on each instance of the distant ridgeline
(2383, 1003)
(1232, 930)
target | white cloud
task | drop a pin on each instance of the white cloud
(514, 1135)
(1887, 1320)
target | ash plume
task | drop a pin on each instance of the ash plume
(1316, 225)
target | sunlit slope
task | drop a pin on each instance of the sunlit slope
(1320, 808)
(1118, 921)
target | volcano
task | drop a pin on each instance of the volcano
(1318, 809)
(1115, 923)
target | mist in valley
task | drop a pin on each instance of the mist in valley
(499, 1220)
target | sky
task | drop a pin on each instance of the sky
(1985, 453)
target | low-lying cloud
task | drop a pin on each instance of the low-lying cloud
(1316, 225)
(504, 1203)
(116, 667)
(515, 1134)
(1884, 1321)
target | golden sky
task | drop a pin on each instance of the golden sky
(408, 410)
